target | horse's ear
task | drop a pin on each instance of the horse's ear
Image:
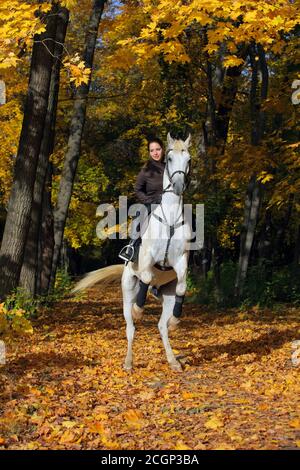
(187, 142)
(170, 140)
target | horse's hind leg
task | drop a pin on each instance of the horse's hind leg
(129, 289)
(168, 294)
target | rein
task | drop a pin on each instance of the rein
(167, 190)
(171, 234)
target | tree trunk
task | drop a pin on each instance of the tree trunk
(28, 275)
(297, 248)
(254, 191)
(215, 131)
(227, 99)
(252, 204)
(46, 239)
(20, 203)
(264, 244)
(74, 143)
(279, 245)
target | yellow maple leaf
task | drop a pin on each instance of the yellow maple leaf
(295, 423)
(68, 424)
(147, 395)
(233, 61)
(134, 418)
(10, 61)
(112, 445)
(68, 3)
(101, 416)
(264, 177)
(234, 436)
(188, 395)
(250, 16)
(67, 437)
(97, 428)
(247, 385)
(224, 446)
(214, 423)
(32, 445)
(181, 446)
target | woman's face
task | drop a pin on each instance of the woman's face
(156, 152)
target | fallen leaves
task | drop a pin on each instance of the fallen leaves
(214, 422)
(68, 424)
(189, 395)
(70, 392)
(97, 428)
(224, 446)
(67, 437)
(134, 419)
(295, 423)
(181, 446)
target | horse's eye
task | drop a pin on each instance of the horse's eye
(170, 159)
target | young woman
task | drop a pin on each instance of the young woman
(148, 190)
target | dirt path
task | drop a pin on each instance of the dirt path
(64, 386)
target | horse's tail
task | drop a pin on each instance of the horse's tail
(106, 275)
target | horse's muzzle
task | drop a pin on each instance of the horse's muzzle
(178, 188)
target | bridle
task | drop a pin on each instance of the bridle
(170, 185)
(163, 220)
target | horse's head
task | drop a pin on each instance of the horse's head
(178, 163)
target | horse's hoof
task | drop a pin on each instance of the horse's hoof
(136, 312)
(127, 367)
(176, 366)
(173, 323)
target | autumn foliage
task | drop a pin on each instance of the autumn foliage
(119, 72)
(65, 387)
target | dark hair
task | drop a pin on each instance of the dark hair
(155, 140)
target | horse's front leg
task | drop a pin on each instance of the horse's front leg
(129, 290)
(168, 294)
(180, 268)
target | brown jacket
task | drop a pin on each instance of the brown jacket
(149, 183)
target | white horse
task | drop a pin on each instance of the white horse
(163, 256)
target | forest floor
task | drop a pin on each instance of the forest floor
(63, 387)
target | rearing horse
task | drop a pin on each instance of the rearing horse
(163, 256)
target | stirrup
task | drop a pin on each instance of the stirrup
(125, 256)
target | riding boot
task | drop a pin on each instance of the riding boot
(130, 251)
